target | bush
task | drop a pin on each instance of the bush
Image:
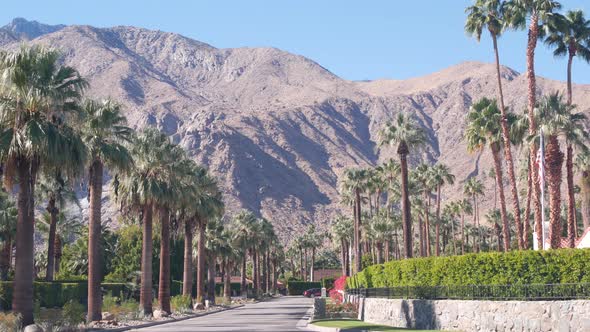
(181, 303)
(298, 287)
(515, 267)
(73, 313)
(234, 286)
(10, 322)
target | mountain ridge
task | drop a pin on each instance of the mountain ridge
(276, 128)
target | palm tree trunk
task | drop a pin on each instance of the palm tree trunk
(427, 226)
(554, 170)
(22, 298)
(586, 199)
(357, 248)
(268, 272)
(532, 90)
(405, 204)
(570, 60)
(527, 210)
(94, 233)
(58, 253)
(475, 243)
(312, 268)
(437, 228)
(201, 257)
(462, 233)
(187, 272)
(145, 295)
(243, 285)
(227, 282)
(387, 242)
(53, 211)
(508, 157)
(421, 235)
(211, 279)
(254, 271)
(498, 168)
(379, 252)
(571, 204)
(264, 273)
(164, 282)
(343, 255)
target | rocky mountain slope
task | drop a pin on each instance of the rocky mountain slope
(277, 129)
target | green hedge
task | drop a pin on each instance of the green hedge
(57, 293)
(515, 267)
(298, 287)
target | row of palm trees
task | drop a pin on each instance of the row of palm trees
(489, 123)
(50, 139)
(304, 248)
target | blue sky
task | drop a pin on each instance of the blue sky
(356, 40)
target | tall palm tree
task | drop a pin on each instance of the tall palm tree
(424, 176)
(483, 129)
(38, 96)
(105, 134)
(583, 166)
(342, 231)
(355, 181)
(489, 14)
(147, 186)
(244, 225)
(538, 13)
(474, 188)
(554, 118)
(57, 191)
(441, 175)
(569, 35)
(464, 208)
(406, 134)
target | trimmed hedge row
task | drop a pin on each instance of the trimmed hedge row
(57, 293)
(515, 267)
(298, 287)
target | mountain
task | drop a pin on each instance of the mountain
(277, 129)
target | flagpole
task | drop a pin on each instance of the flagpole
(542, 184)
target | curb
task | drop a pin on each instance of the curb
(150, 324)
(323, 328)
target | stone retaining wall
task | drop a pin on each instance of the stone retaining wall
(562, 316)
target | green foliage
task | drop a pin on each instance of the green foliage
(366, 261)
(73, 313)
(298, 287)
(127, 261)
(234, 286)
(328, 282)
(515, 267)
(181, 303)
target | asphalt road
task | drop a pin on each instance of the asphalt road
(281, 314)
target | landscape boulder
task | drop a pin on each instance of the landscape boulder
(199, 306)
(108, 316)
(33, 328)
(158, 314)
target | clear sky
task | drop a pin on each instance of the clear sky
(355, 39)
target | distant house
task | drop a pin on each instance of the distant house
(320, 274)
(580, 243)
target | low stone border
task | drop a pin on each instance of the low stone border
(156, 323)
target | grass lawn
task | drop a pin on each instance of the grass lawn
(357, 325)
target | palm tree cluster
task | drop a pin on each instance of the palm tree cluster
(52, 139)
(304, 248)
(375, 195)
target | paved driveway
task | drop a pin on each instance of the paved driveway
(280, 314)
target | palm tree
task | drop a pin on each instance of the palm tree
(65, 228)
(538, 13)
(406, 133)
(147, 186)
(104, 132)
(555, 118)
(57, 191)
(38, 97)
(441, 175)
(583, 166)
(569, 35)
(474, 188)
(483, 129)
(355, 181)
(489, 14)
(424, 175)
(342, 229)
(464, 208)
(493, 217)
(244, 224)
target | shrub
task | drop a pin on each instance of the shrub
(515, 267)
(73, 313)
(109, 302)
(298, 287)
(181, 303)
(10, 322)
